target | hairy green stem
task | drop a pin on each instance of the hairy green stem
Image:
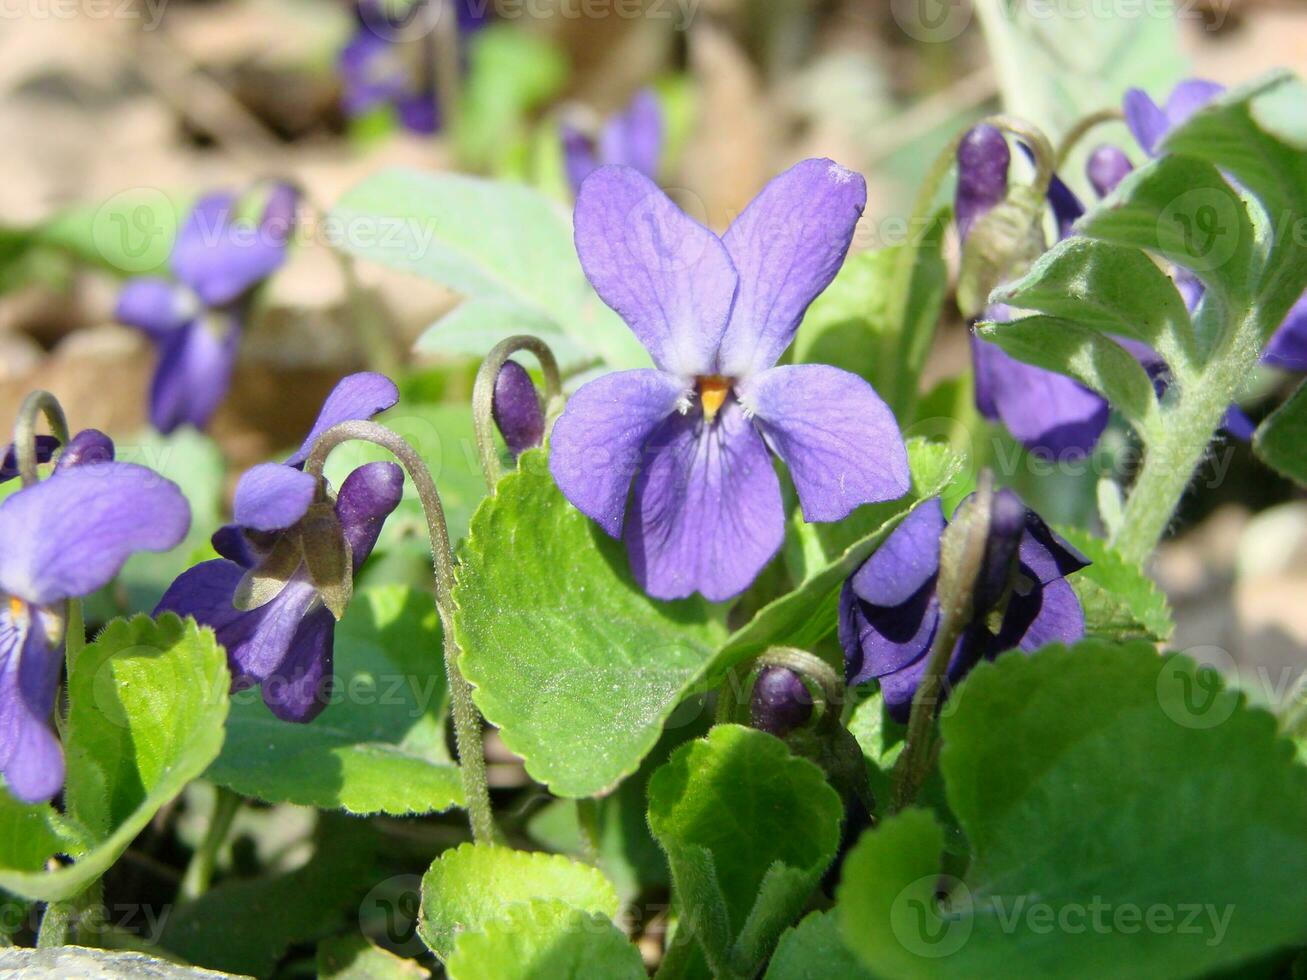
(467, 720)
(1083, 128)
(57, 924)
(960, 562)
(483, 396)
(35, 404)
(199, 873)
(588, 820)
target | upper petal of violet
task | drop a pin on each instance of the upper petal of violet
(786, 246)
(706, 512)
(356, 397)
(839, 440)
(597, 443)
(272, 496)
(70, 534)
(1107, 166)
(905, 561)
(665, 274)
(155, 306)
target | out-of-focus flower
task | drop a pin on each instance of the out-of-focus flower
(196, 319)
(631, 138)
(889, 610)
(675, 459)
(60, 539)
(289, 560)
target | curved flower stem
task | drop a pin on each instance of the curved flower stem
(199, 873)
(1081, 129)
(483, 396)
(907, 351)
(37, 403)
(962, 551)
(467, 721)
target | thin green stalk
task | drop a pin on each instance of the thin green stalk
(467, 721)
(962, 551)
(37, 403)
(1083, 128)
(74, 634)
(1175, 449)
(483, 396)
(588, 819)
(57, 924)
(199, 873)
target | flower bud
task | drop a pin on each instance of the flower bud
(780, 702)
(983, 158)
(516, 409)
(1107, 167)
(87, 447)
(1007, 522)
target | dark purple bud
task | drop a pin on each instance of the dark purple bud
(45, 447)
(780, 703)
(516, 409)
(87, 447)
(1107, 167)
(1007, 522)
(983, 158)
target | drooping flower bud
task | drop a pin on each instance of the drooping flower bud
(516, 409)
(780, 702)
(87, 447)
(983, 159)
(1007, 522)
(1107, 166)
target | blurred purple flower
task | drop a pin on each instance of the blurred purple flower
(63, 538)
(1046, 412)
(675, 458)
(631, 138)
(288, 528)
(889, 611)
(196, 320)
(388, 61)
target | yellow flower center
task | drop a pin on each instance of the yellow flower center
(713, 389)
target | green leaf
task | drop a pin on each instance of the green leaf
(486, 240)
(1119, 599)
(147, 705)
(509, 73)
(245, 925)
(545, 939)
(573, 662)
(808, 614)
(1086, 355)
(1183, 210)
(1111, 289)
(1257, 132)
(379, 746)
(813, 950)
(748, 828)
(355, 958)
(1281, 439)
(130, 234)
(1110, 796)
(473, 885)
(476, 325)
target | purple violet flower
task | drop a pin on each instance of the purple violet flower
(515, 407)
(675, 459)
(1046, 412)
(196, 320)
(889, 611)
(63, 538)
(287, 562)
(631, 138)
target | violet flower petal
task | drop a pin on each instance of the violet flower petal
(30, 756)
(1188, 97)
(880, 640)
(220, 258)
(157, 307)
(1045, 554)
(1050, 613)
(88, 448)
(634, 138)
(1147, 122)
(230, 542)
(1287, 349)
(840, 441)
(905, 561)
(515, 407)
(579, 157)
(272, 496)
(300, 688)
(356, 397)
(1107, 166)
(194, 373)
(45, 447)
(787, 246)
(666, 275)
(706, 511)
(596, 445)
(418, 113)
(367, 497)
(70, 534)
